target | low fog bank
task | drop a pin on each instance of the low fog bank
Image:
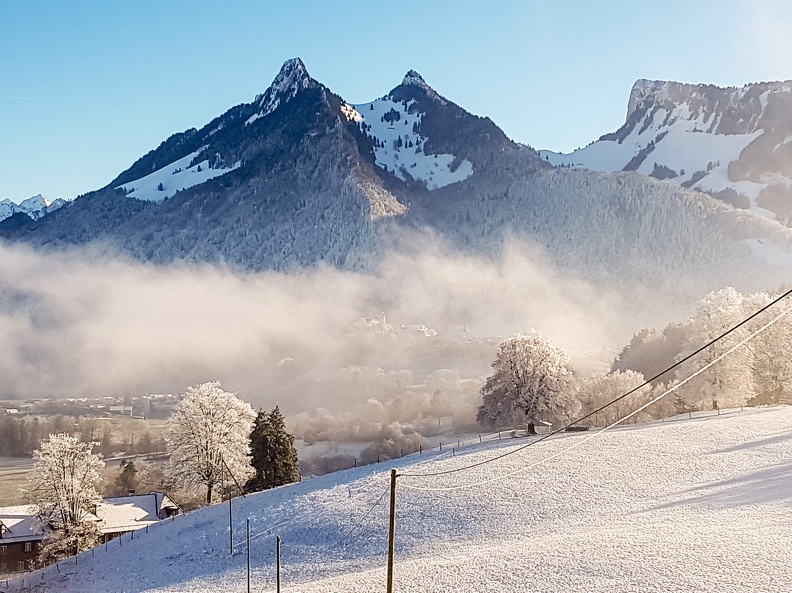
(348, 356)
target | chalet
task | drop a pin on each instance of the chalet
(129, 513)
(21, 533)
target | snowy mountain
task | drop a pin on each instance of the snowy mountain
(733, 143)
(409, 147)
(695, 505)
(34, 207)
(299, 177)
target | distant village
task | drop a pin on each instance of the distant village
(159, 406)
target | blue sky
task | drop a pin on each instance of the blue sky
(87, 87)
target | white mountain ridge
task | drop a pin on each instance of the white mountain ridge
(701, 136)
(35, 207)
(688, 135)
(314, 179)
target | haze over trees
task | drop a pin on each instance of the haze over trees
(532, 379)
(757, 373)
(599, 389)
(729, 383)
(769, 356)
(208, 439)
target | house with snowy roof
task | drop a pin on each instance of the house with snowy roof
(21, 532)
(122, 514)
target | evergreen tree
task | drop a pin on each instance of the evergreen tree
(274, 456)
(126, 480)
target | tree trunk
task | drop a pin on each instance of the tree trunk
(531, 428)
(209, 494)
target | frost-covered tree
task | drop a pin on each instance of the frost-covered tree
(600, 389)
(274, 456)
(529, 383)
(67, 541)
(771, 362)
(730, 381)
(208, 436)
(64, 487)
(64, 483)
(650, 352)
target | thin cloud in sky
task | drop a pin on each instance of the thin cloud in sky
(17, 97)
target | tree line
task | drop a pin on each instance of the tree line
(533, 380)
(23, 434)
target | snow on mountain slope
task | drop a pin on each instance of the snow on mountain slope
(34, 207)
(695, 505)
(729, 142)
(400, 148)
(179, 175)
(313, 179)
(292, 78)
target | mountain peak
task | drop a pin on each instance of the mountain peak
(412, 77)
(293, 71)
(644, 88)
(35, 207)
(292, 78)
(35, 203)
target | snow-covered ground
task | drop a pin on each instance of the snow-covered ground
(682, 505)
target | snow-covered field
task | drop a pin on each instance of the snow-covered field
(681, 505)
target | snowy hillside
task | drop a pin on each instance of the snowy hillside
(399, 146)
(34, 207)
(682, 505)
(730, 142)
(179, 175)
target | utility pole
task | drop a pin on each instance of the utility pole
(230, 513)
(392, 531)
(278, 555)
(230, 526)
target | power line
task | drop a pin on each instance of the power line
(271, 529)
(356, 525)
(600, 432)
(610, 403)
